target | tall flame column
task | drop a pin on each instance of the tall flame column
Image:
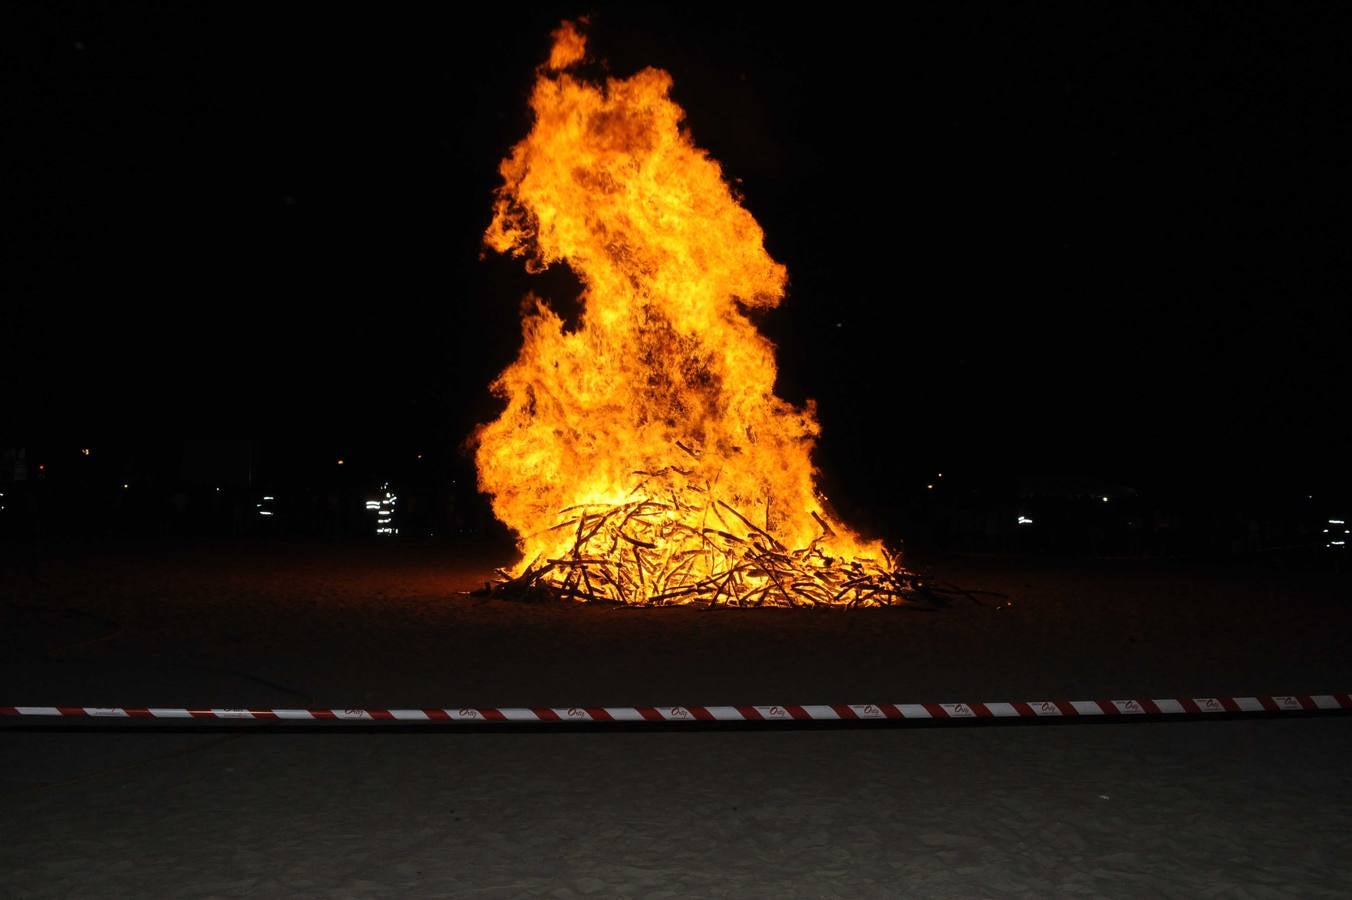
(643, 456)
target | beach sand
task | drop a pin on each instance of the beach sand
(1242, 808)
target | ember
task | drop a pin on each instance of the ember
(643, 457)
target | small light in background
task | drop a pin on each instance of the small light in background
(340, 462)
(1105, 499)
(929, 487)
(84, 451)
(1024, 520)
(126, 487)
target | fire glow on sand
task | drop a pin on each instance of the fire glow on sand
(643, 457)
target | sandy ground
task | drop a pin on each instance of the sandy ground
(1238, 808)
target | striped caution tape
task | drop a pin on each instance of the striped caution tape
(1014, 709)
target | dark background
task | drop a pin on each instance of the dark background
(1052, 251)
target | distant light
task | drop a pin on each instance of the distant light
(929, 487)
(1024, 520)
(269, 498)
(84, 451)
(340, 462)
(42, 467)
(419, 456)
(265, 512)
(1337, 522)
(126, 487)
(940, 475)
(1105, 499)
(1337, 543)
(218, 490)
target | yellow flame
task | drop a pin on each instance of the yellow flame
(664, 389)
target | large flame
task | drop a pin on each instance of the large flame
(643, 456)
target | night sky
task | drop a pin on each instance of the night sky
(1109, 240)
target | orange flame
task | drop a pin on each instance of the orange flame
(569, 47)
(659, 405)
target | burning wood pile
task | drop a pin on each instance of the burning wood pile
(643, 457)
(692, 548)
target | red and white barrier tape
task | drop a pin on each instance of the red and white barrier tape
(1027, 709)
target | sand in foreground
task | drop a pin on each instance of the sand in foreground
(1239, 808)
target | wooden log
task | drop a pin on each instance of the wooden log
(753, 526)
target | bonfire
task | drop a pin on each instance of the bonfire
(643, 457)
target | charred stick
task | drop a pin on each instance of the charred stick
(753, 526)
